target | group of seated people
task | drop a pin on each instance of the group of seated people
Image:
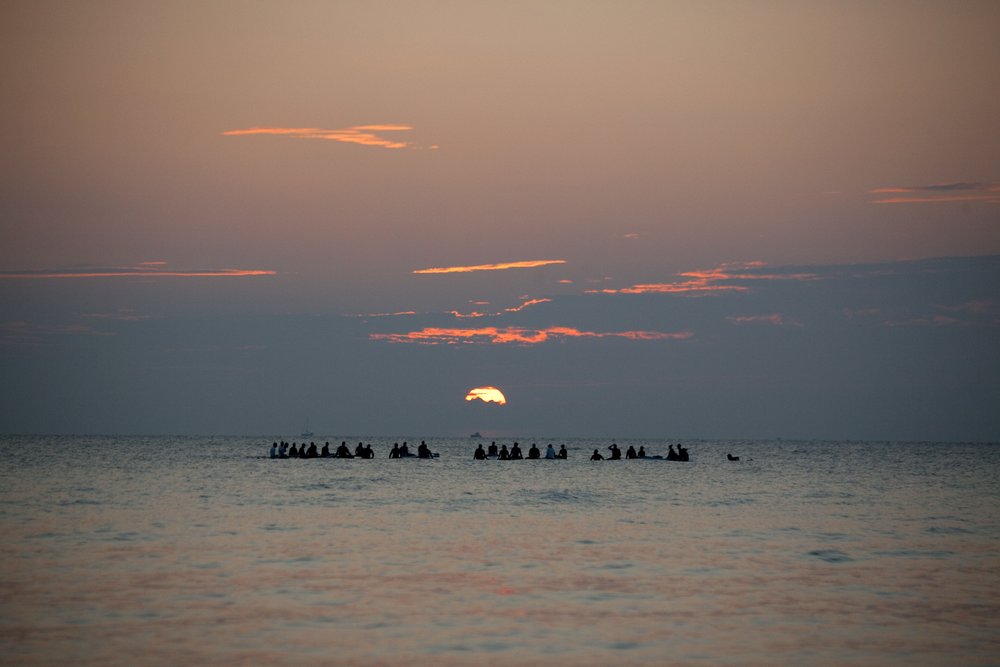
(616, 454)
(399, 452)
(362, 451)
(283, 451)
(515, 453)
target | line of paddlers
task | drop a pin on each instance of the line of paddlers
(285, 451)
(515, 453)
(282, 450)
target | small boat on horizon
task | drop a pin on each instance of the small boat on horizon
(477, 434)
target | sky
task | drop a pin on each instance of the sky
(633, 219)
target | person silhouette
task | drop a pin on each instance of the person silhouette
(274, 450)
(630, 453)
(616, 453)
(504, 455)
(642, 452)
(480, 453)
(493, 450)
(596, 456)
(533, 452)
(563, 454)
(550, 453)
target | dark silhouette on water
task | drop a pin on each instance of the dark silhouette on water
(732, 458)
(533, 452)
(596, 456)
(493, 450)
(616, 454)
(504, 455)
(562, 452)
(550, 453)
(480, 453)
(423, 451)
(642, 452)
(515, 452)
(630, 453)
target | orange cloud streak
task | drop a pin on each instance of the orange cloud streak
(437, 335)
(934, 200)
(133, 272)
(365, 135)
(706, 281)
(512, 309)
(492, 267)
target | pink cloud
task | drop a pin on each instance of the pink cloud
(523, 336)
(364, 135)
(709, 280)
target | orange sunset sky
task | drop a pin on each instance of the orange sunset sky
(750, 219)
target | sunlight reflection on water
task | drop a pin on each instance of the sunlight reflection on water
(195, 551)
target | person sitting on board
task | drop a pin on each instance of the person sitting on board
(369, 452)
(480, 453)
(672, 455)
(359, 451)
(344, 452)
(550, 453)
(423, 451)
(616, 454)
(630, 453)
(293, 451)
(534, 452)
(682, 453)
(732, 458)
(515, 452)
(283, 450)
(274, 450)
(394, 452)
(326, 450)
(596, 456)
(504, 455)
(312, 452)
(563, 454)
(493, 450)
(642, 452)
(404, 450)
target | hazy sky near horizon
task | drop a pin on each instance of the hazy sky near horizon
(264, 188)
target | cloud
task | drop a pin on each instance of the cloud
(396, 314)
(520, 335)
(364, 135)
(512, 309)
(27, 333)
(775, 319)
(530, 264)
(932, 194)
(719, 279)
(143, 270)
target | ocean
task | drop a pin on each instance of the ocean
(203, 551)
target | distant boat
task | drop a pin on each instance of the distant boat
(306, 431)
(477, 434)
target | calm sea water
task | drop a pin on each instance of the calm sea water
(167, 551)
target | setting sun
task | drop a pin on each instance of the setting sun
(486, 395)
